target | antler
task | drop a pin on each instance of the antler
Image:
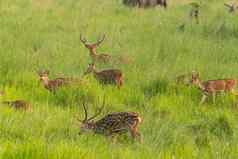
(82, 39)
(99, 111)
(85, 111)
(100, 40)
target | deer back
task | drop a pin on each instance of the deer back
(18, 104)
(219, 85)
(108, 76)
(117, 123)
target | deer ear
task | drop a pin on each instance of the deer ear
(195, 74)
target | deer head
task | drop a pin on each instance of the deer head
(87, 124)
(195, 78)
(92, 46)
(44, 75)
(91, 68)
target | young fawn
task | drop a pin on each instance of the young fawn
(212, 87)
(17, 104)
(111, 76)
(100, 58)
(53, 85)
(112, 124)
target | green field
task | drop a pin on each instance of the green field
(45, 34)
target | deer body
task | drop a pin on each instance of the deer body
(221, 85)
(212, 87)
(18, 104)
(111, 76)
(100, 58)
(53, 85)
(118, 123)
(113, 124)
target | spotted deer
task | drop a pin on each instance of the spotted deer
(111, 124)
(212, 87)
(110, 76)
(17, 104)
(53, 85)
(100, 58)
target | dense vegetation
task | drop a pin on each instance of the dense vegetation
(44, 34)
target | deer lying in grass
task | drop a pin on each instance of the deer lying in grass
(53, 85)
(231, 7)
(17, 104)
(112, 124)
(100, 58)
(212, 87)
(111, 76)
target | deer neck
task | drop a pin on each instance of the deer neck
(45, 81)
(92, 126)
(93, 52)
(95, 73)
(200, 85)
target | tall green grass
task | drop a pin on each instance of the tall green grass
(44, 34)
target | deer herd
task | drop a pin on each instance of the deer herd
(119, 122)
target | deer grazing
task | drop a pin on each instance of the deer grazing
(111, 124)
(100, 58)
(17, 104)
(53, 85)
(110, 76)
(212, 87)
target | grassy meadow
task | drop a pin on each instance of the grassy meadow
(45, 34)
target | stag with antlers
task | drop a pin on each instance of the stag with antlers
(111, 124)
(100, 58)
(212, 87)
(110, 76)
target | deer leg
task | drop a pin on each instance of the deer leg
(114, 138)
(135, 134)
(234, 92)
(214, 98)
(118, 83)
(204, 97)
